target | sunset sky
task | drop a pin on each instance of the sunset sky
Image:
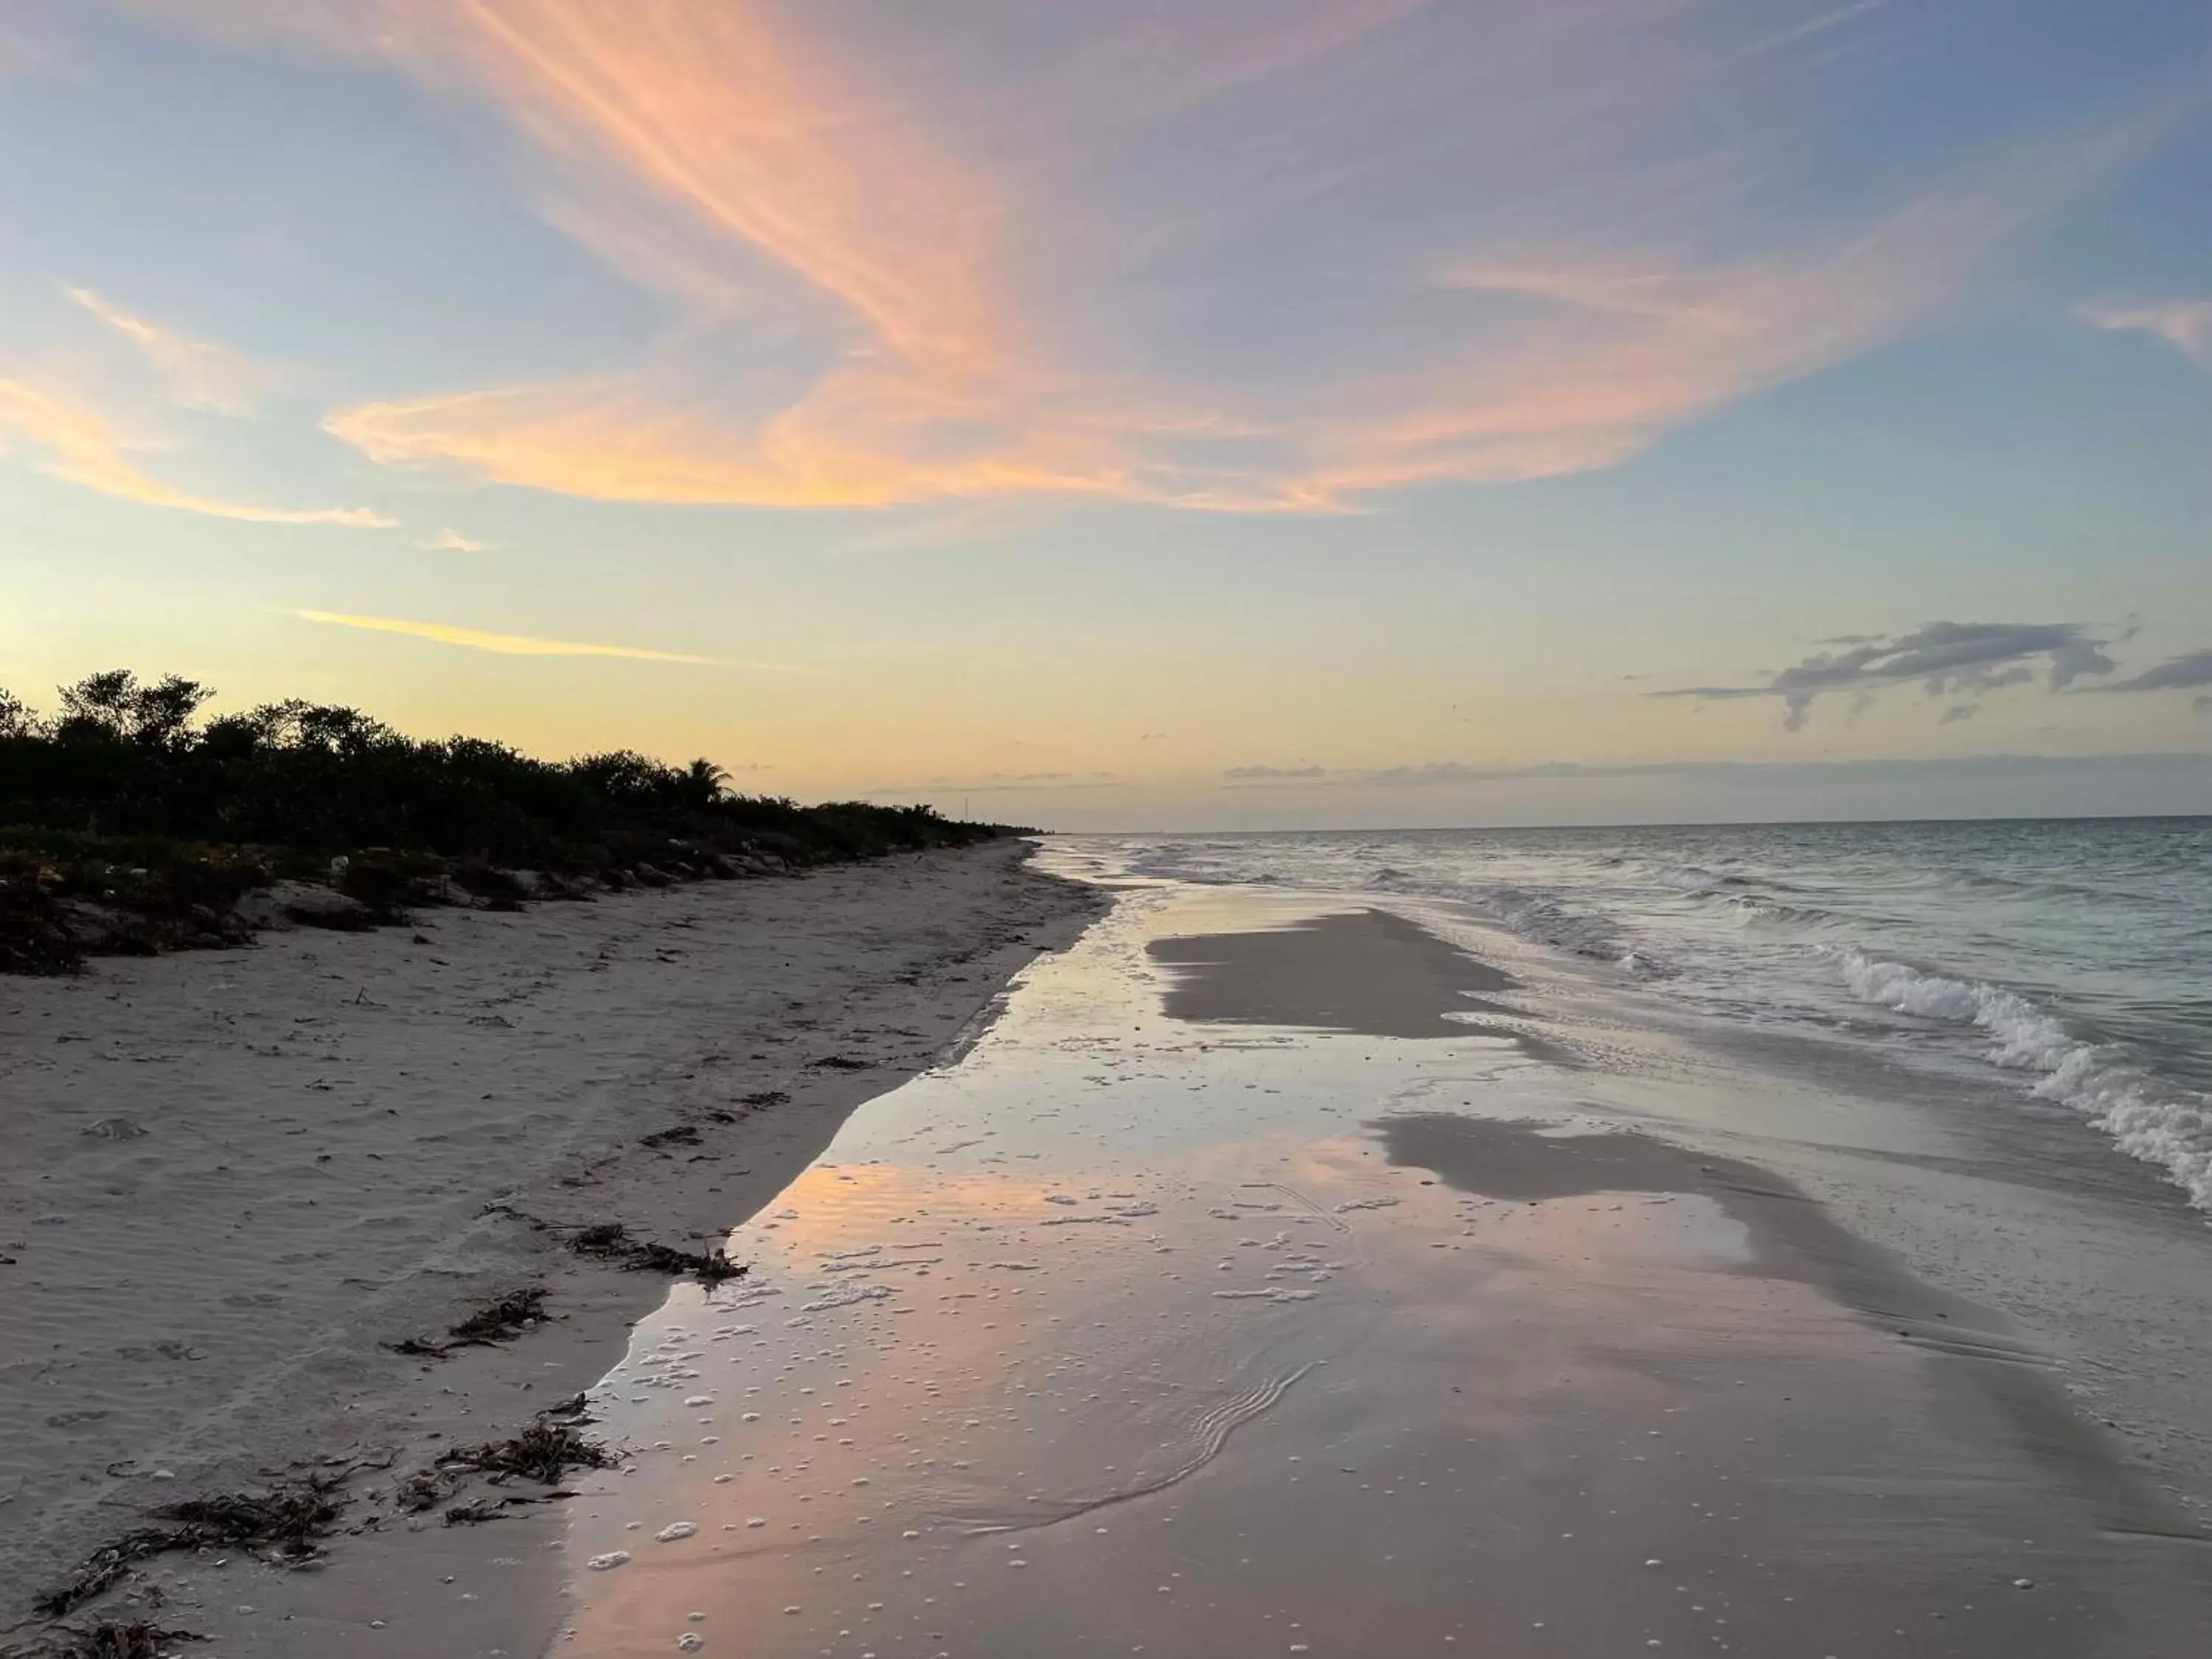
(1128, 413)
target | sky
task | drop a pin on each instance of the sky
(1134, 414)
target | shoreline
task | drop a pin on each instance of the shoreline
(1240, 1321)
(235, 1190)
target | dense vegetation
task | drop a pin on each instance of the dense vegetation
(127, 797)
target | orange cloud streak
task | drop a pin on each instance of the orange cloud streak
(621, 441)
(504, 645)
(705, 149)
(82, 447)
(719, 112)
(199, 374)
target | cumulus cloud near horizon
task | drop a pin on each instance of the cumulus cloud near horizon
(1945, 657)
(2187, 671)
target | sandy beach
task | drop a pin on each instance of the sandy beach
(236, 1178)
(1272, 1273)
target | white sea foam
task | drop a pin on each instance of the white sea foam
(2158, 1124)
(845, 1296)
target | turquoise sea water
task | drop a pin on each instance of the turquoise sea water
(2066, 965)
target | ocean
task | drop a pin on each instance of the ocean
(2054, 975)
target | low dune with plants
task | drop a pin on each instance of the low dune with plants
(132, 823)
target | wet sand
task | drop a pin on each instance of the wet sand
(235, 1178)
(1192, 1314)
(1363, 971)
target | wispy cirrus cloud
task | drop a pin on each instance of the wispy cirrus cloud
(1945, 657)
(2185, 325)
(1625, 348)
(504, 645)
(450, 540)
(911, 267)
(620, 439)
(81, 446)
(198, 373)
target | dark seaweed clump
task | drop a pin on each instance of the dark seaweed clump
(547, 1450)
(543, 1452)
(497, 1321)
(610, 1241)
(131, 1639)
(285, 1524)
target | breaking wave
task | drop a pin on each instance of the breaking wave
(2145, 1118)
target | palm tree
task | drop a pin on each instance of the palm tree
(701, 783)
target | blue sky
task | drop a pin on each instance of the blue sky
(1275, 412)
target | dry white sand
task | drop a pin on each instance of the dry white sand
(232, 1178)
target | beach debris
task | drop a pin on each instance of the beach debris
(691, 1642)
(495, 1322)
(134, 1639)
(608, 1562)
(500, 1321)
(477, 1511)
(420, 1491)
(681, 1135)
(676, 1530)
(284, 1525)
(839, 1063)
(116, 1128)
(763, 1097)
(543, 1452)
(610, 1241)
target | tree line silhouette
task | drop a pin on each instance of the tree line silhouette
(127, 759)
